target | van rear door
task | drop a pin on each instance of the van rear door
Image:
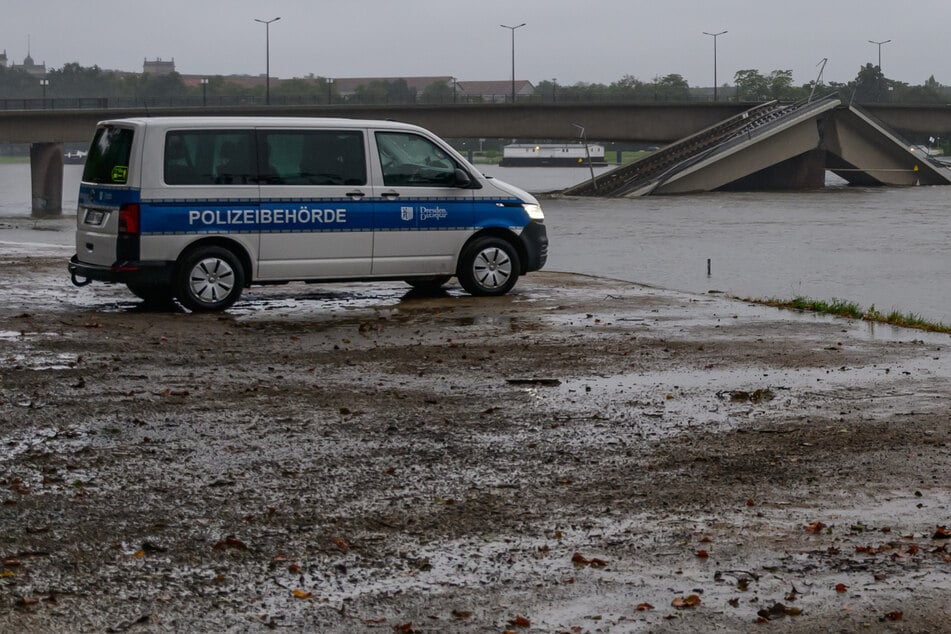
(316, 192)
(104, 191)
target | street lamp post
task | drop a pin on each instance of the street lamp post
(715, 36)
(44, 83)
(267, 56)
(879, 44)
(204, 90)
(330, 90)
(512, 28)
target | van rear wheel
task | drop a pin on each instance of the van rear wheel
(209, 279)
(489, 266)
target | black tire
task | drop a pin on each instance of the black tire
(152, 294)
(209, 279)
(489, 266)
(429, 284)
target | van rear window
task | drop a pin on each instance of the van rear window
(108, 158)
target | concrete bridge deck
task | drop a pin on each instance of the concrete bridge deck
(776, 146)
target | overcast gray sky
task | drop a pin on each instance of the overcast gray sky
(569, 40)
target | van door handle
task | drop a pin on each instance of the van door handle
(355, 194)
(390, 194)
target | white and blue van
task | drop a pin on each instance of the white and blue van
(198, 208)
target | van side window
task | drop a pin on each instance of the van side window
(313, 157)
(409, 159)
(210, 157)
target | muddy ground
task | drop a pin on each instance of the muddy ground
(583, 455)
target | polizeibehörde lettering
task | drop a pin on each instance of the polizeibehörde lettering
(292, 216)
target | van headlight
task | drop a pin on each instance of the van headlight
(534, 211)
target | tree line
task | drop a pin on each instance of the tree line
(73, 81)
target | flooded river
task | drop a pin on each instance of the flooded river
(884, 247)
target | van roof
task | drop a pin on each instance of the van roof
(258, 122)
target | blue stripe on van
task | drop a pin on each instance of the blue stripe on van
(305, 215)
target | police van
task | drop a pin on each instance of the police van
(198, 208)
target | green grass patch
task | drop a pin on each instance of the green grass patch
(5, 160)
(844, 308)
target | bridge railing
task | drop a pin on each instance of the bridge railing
(198, 101)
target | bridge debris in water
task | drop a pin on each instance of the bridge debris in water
(776, 146)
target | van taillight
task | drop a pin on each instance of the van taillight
(129, 219)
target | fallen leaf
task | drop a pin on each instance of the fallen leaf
(941, 533)
(815, 527)
(894, 616)
(682, 603)
(520, 621)
(841, 587)
(342, 544)
(231, 542)
(644, 607)
(302, 594)
(702, 554)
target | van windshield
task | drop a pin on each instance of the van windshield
(108, 159)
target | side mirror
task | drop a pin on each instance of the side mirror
(463, 181)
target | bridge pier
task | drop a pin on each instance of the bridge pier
(46, 174)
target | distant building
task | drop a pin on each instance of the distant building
(37, 70)
(158, 67)
(3, 59)
(494, 91)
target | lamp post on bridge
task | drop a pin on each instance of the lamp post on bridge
(204, 90)
(44, 83)
(512, 28)
(879, 44)
(267, 57)
(715, 36)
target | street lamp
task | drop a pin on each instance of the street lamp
(879, 50)
(330, 90)
(512, 28)
(715, 36)
(44, 83)
(267, 56)
(204, 90)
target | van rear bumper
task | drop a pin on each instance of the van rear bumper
(130, 272)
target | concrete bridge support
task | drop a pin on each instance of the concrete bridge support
(46, 172)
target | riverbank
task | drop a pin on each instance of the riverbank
(583, 455)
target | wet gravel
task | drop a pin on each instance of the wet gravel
(583, 455)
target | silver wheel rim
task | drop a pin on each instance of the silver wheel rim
(211, 280)
(492, 268)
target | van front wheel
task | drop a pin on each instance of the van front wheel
(489, 266)
(210, 279)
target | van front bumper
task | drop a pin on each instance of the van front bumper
(535, 244)
(130, 272)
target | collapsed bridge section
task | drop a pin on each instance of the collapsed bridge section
(776, 146)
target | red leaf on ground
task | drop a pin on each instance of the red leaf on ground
(231, 542)
(644, 607)
(815, 527)
(941, 533)
(841, 587)
(894, 616)
(702, 554)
